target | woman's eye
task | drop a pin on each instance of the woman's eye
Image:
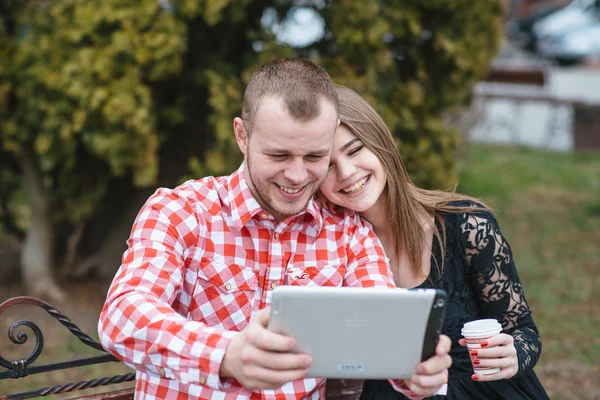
(355, 150)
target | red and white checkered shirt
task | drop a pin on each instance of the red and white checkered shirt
(201, 259)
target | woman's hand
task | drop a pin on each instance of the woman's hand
(496, 352)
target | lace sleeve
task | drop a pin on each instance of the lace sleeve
(494, 279)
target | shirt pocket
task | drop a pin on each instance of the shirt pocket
(223, 295)
(321, 273)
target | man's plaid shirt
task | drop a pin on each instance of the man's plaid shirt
(201, 259)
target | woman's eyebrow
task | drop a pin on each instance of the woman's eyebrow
(344, 147)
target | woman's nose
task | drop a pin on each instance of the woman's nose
(345, 170)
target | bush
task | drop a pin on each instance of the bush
(144, 93)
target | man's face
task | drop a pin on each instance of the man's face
(286, 159)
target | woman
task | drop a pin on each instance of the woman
(440, 240)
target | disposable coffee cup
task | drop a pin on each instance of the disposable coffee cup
(476, 332)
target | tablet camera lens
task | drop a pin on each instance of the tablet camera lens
(440, 303)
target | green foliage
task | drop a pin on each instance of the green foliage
(78, 84)
(434, 51)
(146, 91)
(547, 206)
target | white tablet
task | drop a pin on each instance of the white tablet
(362, 333)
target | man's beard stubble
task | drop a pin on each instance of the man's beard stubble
(255, 189)
(262, 198)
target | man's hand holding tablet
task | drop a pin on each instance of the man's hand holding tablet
(261, 359)
(431, 375)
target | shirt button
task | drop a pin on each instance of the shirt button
(273, 285)
(202, 380)
(276, 236)
(264, 216)
(228, 286)
(161, 372)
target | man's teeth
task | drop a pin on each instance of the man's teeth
(357, 186)
(290, 190)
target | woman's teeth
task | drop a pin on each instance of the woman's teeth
(357, 186)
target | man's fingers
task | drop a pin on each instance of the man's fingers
(262, 317)
(262, 338)
(434, 365)
(257, 377)
(443, 346)
(276, 360)
(427, 384)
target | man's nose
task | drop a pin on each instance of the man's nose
(296, 171)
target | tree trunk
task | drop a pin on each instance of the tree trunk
(105, 240)
(37, 252)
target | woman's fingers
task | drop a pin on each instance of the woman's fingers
(493, 352)
(496, 352)
(501, 339)
(504, 362)
(502, 374)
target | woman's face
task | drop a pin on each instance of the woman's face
(356, 178)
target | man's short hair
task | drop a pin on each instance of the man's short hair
(299, 83)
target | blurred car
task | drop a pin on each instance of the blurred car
(577, 15)
(519, 29)
(571, 47)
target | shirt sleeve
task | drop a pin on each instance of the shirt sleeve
(497, 285)
(368, 265)
(139, 323)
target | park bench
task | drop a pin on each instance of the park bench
(528, 84)
(21, 368)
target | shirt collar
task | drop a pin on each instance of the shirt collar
(242, 203)
(244, 206)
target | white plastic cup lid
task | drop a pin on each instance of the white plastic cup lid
(481, 328)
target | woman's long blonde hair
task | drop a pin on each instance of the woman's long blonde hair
(405, 201)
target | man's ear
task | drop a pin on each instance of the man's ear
(241, 135)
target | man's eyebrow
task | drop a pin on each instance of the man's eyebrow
(287, 151)
(275, 151)
(321, 152)
(344, 147)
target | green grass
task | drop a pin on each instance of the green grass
(548, 206)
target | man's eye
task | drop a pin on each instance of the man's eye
(355, 150)
(278, 156)
(314, 157)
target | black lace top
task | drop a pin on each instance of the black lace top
(481, 280)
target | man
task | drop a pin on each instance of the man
(189, 306)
